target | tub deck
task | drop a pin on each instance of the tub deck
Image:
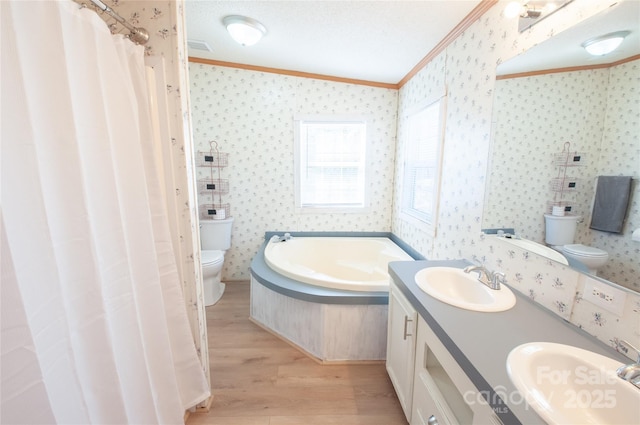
(330, 325)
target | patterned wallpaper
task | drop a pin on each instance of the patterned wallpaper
(620, 155)
(466, 68)
(596, 111)
(532, 124)
(250, 115)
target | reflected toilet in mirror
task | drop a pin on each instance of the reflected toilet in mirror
(560, 232)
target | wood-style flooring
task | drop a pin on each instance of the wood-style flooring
(258, 379)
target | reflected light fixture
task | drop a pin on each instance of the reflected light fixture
(243, 30)
(516, 8)
(605, 44)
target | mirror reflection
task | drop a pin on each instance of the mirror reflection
(542, 122)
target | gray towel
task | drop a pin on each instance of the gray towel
(611, 203)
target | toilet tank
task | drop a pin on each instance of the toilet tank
(560, 230)
(216, 234)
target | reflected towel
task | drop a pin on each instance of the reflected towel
(611, 203)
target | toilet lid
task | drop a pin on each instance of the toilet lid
(584, 251)
(210, 257)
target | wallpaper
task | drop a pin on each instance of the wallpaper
(466, 69)
(596, 112)
(620, 155)
(250, 116)
(535, 119)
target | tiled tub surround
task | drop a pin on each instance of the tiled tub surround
(480, 342)
(331, 325)
(560, 289)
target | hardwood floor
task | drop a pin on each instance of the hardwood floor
(259, 379)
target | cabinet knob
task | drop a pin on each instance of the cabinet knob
(432, 420)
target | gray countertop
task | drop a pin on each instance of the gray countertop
(481, 342)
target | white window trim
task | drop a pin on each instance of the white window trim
(429, 227)
(367, 160)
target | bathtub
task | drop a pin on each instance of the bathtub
(348, 263)
(327, 295)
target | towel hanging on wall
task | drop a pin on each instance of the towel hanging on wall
(611, 203)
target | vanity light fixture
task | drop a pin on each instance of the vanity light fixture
(530, 12)
(516, 8)
(243, 30)
(605, 44)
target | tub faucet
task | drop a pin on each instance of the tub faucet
(630, 372)
(283, 238)
(489, 278)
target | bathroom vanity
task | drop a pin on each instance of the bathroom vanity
(448, 364)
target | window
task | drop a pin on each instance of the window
(422, 163)
(331, 170)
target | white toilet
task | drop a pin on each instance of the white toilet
(215, 239)
(559, 234)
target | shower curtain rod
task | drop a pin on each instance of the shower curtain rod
(137, 35)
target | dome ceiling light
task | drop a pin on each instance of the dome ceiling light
(605, 44)
(243, 30)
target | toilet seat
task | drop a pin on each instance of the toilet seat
(212, 257)
(579, 250)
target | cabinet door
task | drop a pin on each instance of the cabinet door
(443, 394)
(401, 347)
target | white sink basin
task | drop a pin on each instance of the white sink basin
(568, 385)
(454, 286)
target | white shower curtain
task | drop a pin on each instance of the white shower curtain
(94, 326)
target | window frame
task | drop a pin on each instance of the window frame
(426, 221)
(365, 161)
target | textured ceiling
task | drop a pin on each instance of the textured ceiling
(377, 41)
(381, 41)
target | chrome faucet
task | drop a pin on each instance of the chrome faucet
(489, 278)
(630, 372)
(283, 238)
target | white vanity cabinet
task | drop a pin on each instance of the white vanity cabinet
(401, 347)
(442, 392)
(431, 386)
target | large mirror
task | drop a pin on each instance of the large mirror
(542, 118)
